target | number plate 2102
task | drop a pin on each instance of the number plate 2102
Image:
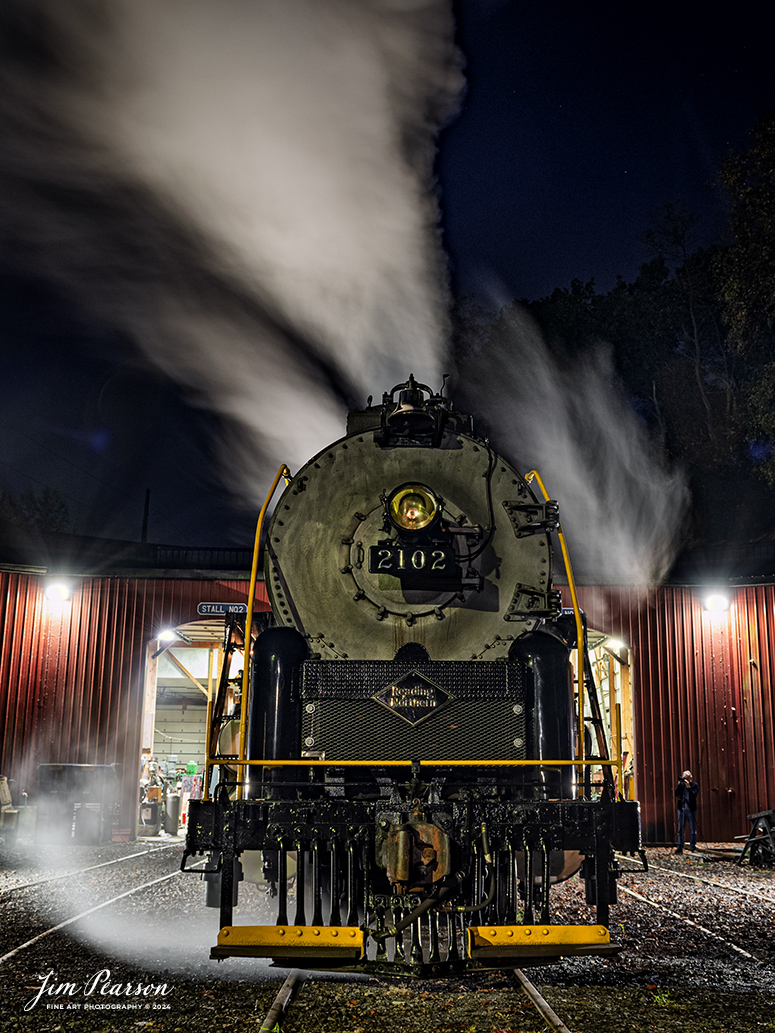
(401, 560)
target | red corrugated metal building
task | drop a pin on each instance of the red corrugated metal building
(72, 675)
(703, 699)
(71, 685)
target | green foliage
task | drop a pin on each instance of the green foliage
(44, 510)
(662, 999)
(746, 268)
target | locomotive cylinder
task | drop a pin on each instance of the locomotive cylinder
(549, 702)
(274, 721)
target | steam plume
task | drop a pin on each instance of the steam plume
(243, 188)
(621, 508)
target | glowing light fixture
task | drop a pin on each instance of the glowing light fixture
(168, 635)
(58, 591)
(716, 602)
(412, 507)
(615, 644)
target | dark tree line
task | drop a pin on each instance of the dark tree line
(693, 339)
(42, 511)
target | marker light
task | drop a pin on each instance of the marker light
(716, 602)
(58, 591)
(412, 507)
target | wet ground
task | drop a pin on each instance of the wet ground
(718, 974)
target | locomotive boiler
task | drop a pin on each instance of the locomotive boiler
(410, 721)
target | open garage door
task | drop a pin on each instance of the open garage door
(611, 663)
(182, 674)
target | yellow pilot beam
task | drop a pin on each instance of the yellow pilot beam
(526, 940)
(291, 941)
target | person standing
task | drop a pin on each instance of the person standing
(686, 801)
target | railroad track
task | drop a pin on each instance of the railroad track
(714, 882)
(114, 898)
(287, 994)
(543, 1007)
(81, 871)
(669, 874)
(274, 1017)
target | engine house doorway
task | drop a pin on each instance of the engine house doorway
(183, 667)
(611, 663)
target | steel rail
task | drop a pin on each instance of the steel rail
(276, 1013)
(80, 871)
(711, 882)
(83, 914)
(544, 1008)
(689, 921)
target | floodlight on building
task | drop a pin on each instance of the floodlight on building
(57, 590)
(716, 602)
(615, 644)
(168, 635)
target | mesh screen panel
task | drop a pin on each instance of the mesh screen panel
(450, 710)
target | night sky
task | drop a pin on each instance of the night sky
(576, 121)
(579, 120)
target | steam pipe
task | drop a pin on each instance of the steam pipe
(435, 897)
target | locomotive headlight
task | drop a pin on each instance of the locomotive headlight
(413, 507)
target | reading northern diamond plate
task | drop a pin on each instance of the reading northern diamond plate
(412, 697)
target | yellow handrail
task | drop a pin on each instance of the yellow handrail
(305, 763)
(577, 614)
(243, 724)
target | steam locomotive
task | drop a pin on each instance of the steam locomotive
(410, 723)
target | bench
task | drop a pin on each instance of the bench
(759, 848)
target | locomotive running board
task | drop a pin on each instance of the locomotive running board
(289, 941)
(486, 942)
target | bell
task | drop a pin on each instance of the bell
(409, 417)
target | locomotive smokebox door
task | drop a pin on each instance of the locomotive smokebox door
(410, 529)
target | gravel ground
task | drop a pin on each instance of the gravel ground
(669, 977)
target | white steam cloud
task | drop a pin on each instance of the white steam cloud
(244, 187)
(622, 509)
